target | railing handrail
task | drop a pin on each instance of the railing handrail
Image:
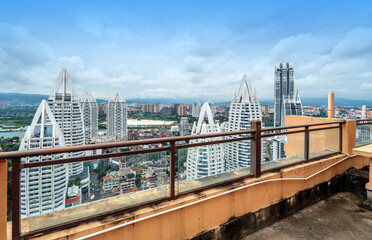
(364, 121)
(36, 152)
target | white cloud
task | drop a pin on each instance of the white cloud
(186, 65)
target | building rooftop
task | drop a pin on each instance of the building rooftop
(337, 217)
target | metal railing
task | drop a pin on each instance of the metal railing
(363, 121)
(255, 134)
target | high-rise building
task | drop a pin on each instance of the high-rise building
(265, 110)
(283, 88)
(206, 160)
(364, 109)
(285, 103)
(43, 189)
(156, 108)
(244, 108)
(64, 104)
(184, 126)
(182, 110)
(196, 108)
(89, 110)
(117, 116)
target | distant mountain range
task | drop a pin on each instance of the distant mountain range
(20, 98)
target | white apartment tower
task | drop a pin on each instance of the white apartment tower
(207, 160)
(43, 189)
(89, 108)
(244, 108)
(64, 104)
(117, 116)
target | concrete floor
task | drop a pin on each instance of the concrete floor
(338, 217)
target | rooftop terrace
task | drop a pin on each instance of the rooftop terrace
(317, 149)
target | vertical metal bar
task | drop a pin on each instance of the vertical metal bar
(340, 138)
(172, 168)
(16, 203)
(256, 149)
(306, 144)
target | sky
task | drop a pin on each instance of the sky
(186, 49)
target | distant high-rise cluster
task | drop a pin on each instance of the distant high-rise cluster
(206, 160)
(117, 116)
(152, 108)
(89, 108)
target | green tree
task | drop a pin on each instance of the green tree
(138, 180)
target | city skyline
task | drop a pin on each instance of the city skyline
(204, 54)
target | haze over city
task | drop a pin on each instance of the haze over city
(192, 49)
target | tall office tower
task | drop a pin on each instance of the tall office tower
(244, 108)
(117, 116)
(89, 108)
(196, 108)
(43, 189)
(285, 103)
(213, 107)
(64, 104)
(207, 160)
(283, 88)
(184, 126)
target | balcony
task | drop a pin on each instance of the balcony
(318, 151)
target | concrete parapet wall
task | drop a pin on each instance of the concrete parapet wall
(189, 222)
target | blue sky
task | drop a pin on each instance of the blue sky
(186, 49)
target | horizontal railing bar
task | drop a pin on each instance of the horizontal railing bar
(282, 133)
(36, 152)
(323, 128)
(212, 143)
(93, 157)
(364, 123)
(300, 126)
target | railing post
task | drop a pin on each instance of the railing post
(340, 139)
(172, 168)
(16, 203)
(3, 197)
(306, 144)
(256, 149)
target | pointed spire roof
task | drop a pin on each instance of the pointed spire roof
(245, 93)
(42, 117)
(204, 110)
(87, 96)
(117, 97)
(63, 85)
